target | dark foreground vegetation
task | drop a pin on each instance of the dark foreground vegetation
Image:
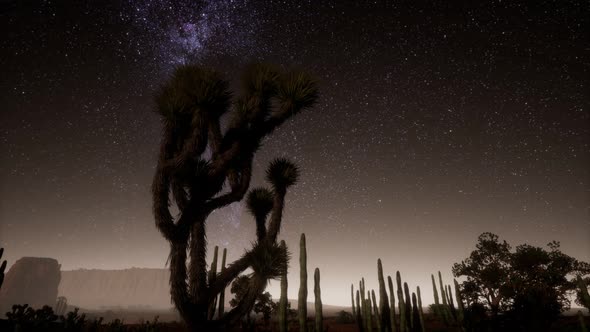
(44, 320)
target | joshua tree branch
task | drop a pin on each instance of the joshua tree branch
(198, 263)
(180, 195)
(257, 286)
(276, 215)
(215, 137)
(195, 145)
(239, 189)
(161, 190)
(231, 272)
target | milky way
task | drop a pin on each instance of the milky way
(434, 124)
(179, 32)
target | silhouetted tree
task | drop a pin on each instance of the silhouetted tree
(531, 284)
(263, 306)
(203, 168)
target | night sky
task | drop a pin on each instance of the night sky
(434, 124)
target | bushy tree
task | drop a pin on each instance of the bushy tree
(530, 283)
(202, 168)
(264, 304)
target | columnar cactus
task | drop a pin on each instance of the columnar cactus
(359, 313)
(436, 301)
(363, 302)
(302, 301)
(319, 318)
(445, 307)
(368, 314)
(420, 309)
(385, 319)
(222, 293)
(212, 275)
(376, 311)
(392, 305)
(2, 267)
(352, 300)
(408, 310)
(416, 324)
(401, 305)
(283, 302)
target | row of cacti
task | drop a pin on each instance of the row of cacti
(450, 314)
(370, 314)
(381, 315)
(302, 299)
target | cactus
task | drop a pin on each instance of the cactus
(376, 311)
(352, 299)
(445, 310)
(416, 323)
(2, 267)
(222, 293)
(402, 306)
(212, 276)
(363, 301)
(359, 315)
(302, 303)
(283, 322)
(442, 289)
(408, 309)
(383, 301)
(436, 301)
(420, 310)
(368, 315)
(392, 304)
(319, 319)
(61, 306)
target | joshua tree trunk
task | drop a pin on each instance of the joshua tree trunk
(197, 162)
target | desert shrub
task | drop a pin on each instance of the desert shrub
(344, 317)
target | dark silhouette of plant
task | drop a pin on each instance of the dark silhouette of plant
(582, 295)
(531, 284)
(72, 321)
(487, 272)
(344, 317)
(207, 168)
(2, 267)
(263, 306)
(25, 318)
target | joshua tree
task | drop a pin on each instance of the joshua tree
(203, 168)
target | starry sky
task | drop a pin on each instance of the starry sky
(435, 123)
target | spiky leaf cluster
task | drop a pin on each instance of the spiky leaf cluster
(298, 89)
(261, 79)
(269, 261)
(259, 201)
(282, 173)
(193, 89)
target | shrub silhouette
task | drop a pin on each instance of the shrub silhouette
(530, 284)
